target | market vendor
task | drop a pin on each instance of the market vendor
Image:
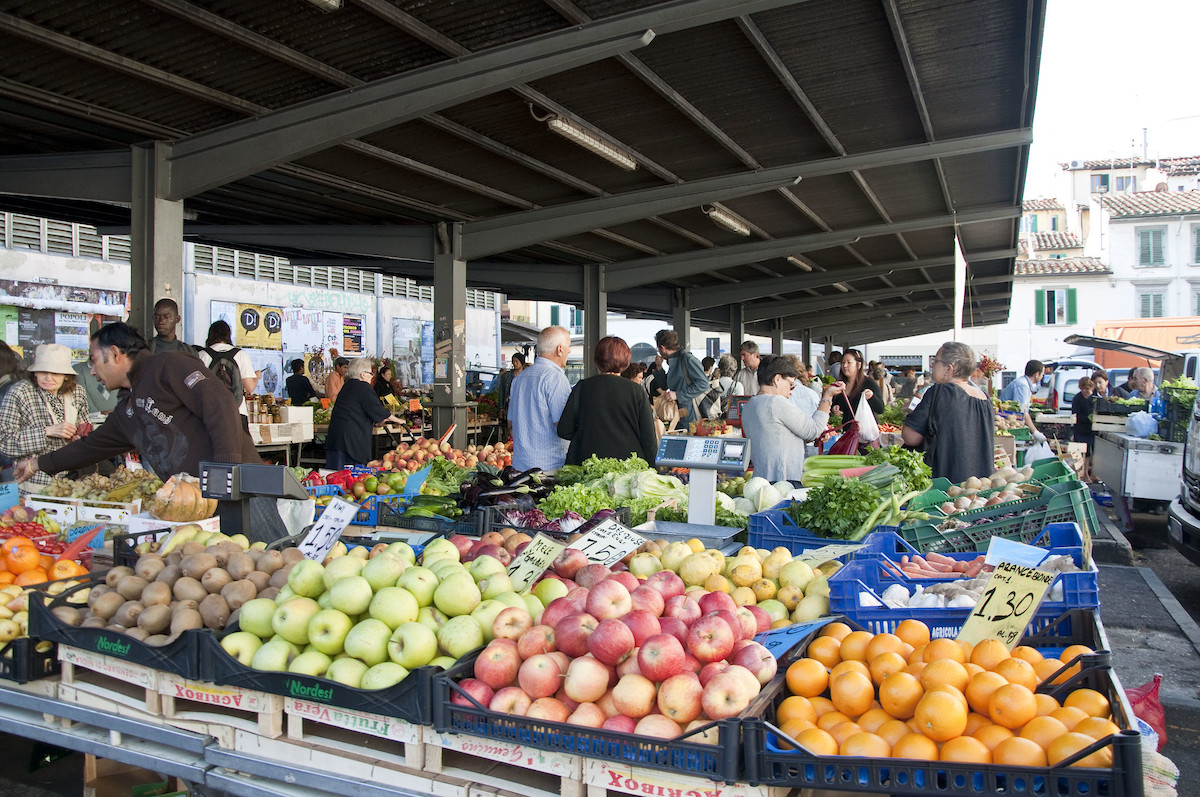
(953, 424)
(173, 411)
(166, 318)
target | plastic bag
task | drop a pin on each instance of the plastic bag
(1141, 424)
(667, 411)
(1146, 705)
(1039, 451)
(868, 427)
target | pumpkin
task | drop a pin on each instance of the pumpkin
(179, 500)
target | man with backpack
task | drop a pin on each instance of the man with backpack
(232, 366)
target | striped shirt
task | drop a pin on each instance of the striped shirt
(535, 404)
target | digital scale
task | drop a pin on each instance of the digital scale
(236, 486)
(703, 457)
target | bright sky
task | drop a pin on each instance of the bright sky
(1109, 69)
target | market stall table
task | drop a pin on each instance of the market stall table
(1136, 468)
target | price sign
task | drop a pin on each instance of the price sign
(328, 529)
(781, 640)
(414, 405)
(827, 553)
(533, 561)
(1007, 605)
(607, 542)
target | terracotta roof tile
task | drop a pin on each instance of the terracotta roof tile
(1056, 240)
(1022, 247)
(1065, 267)
(1041, 204)
(1107, 163)
(1180, 167)
(1152, 203)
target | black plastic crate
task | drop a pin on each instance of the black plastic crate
(470, 524)
(408, 700)
(22, 662)
(125, 546)
(1106, 406)
(719, 762)
(178, 657)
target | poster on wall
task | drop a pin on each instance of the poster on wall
(406, 350)
(427, 352)
(222, 311)
(270, 363)
(10, 325)
(301, 330)
(34, 327)
(259, 327)
(352, 335)
(332, 333)
(314, 369)
(71, 330)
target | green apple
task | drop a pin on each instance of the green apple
(457, 594)
(255, 617)
(459, 635)
(342, 567)
(360, 552)
(643, 564)
(494, 584)
(383, 675)
(393, 605)
(348, 671)
(274, 655)
(774, 609)
(431, 618)
(325, 600)
(484, 566)
(327, 631)
(242, 540)
(285, 594)
(485, 614)
(510, 598)
(442, 568)
(368, 641)
(795, 573)
(549, 589)
(383, 571)
(307, 578)
(533, 604)
(421, 582)
(313, 663)
(440, 548)
(404, 551)
(351, 595)
(445, 662)
(242, 645)
(412, 645)
(257, 546)
(673, 555)
(291, 619)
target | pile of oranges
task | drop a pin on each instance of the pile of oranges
(24, 565)
(903, 695)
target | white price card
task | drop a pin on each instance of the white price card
(328, 529)
(781, 640)
(827, 553)
(533, 561)
(608, 542)
(1007, 604)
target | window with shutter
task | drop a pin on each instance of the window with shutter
(1196, 243)
(1150, 246)
(1039, 307)
(1150, 305)
(554, 315)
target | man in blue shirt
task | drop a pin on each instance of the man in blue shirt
(1023, 394)
(536, 402)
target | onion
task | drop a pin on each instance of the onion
(962, 502)
(948, 508)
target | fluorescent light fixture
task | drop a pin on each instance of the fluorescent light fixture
(841, 286)
(727, 220)
(798, 263)
(591, 142)
(327, 5)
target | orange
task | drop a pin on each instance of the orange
(973, 669)
(836, 631)
(1069, 716)
(66, 568)
(843, 731)
(967, 649)
(1018, 671)
(872, 719)
(817, 742)
(854, 645)
(980, 688)
(966, 750)
(950, 690)
(826, 650)
(13, 542)
(865, 744)
(940, 716)
(807, 677)
(917, 655)
(914, 632)
(944, 649)
(1031, 655)
(1071, 651)
(899, 694)
(1071, 743)
(6, 577)
(852, 693)
(916, 668)
(822, 705)
(1092, 702)
(22, 558)
(975, 721)
(944, 671)
(795, 708)
(831, 719)
(917, 746)
(1019, 752)
(884, 643)
(1045, 704)
(849, 666)
(793, 729)
(30, 577)
(1043, 731)
(992, 735)
(46, 561)
(893, 731)
(1046, 669)
(885, 664)
(1012, 705)
(1096, 727)
(988, 653)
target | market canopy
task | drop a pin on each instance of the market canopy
(808, 162)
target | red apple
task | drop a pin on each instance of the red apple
(684, 608)
(634, 695)
(673, 626)
(659, 726)
(679, 697)
(571, 633)
(557, 609)
(726, 695)
(607, 600)
(715, 601)
(498, 663)
(592, 574)
(561, 694)
(548, 709)
(538, 639)
(752, 684)
(564, 661)
(691, 663)
(619, 723)
(587, 680)
(748, 620)
(625, 577)
(648, 598)
(588, 715)
(735, 624)
(578, 596)
(762, 619)
(643, 624)
(494, 551)
(711, 670)
(511, 623)
(666, 582)
(510, 700)
(661, 656)
(710, 638)
(377, 549)
(539, 676)
(605, 702)
(758, 660)
(568, 562)
(611, 642)
(629, 665)
(476, 689)
(462, 543)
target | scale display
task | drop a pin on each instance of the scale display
(703, 453)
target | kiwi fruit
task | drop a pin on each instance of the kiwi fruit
(215, 579)
(214, 611)
(269, 593)
(67, 614)
(179, 606)
(269, 562)
(278, 579)
(114, 576)
(127, 615)
(259, 579)
(157, 593)
(190, 548)
(155, 619)
(95, 592)
(255, 554)
(120, 629)
(149, 566)
(93, 622)
(140, 634)
(157, 640)
(185, 620)
(236, 593)
(292, 555)
(189, 589)
(197, 564)
(239, 566)
(106, 605)
(174, 557)
(131, 587)
(169, 575)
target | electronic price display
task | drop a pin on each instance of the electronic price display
(704, 453)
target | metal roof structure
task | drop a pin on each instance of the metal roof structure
(852, 139)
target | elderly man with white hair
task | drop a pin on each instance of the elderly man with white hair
(1139, 385)
(536, 402)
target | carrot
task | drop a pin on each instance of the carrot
(941, 567)
(939, 558)
(974, 568)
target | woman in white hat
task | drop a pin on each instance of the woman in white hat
(45, 412)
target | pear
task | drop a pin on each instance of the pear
(674, 554)
(795, 573)
(775, 562)
(818, 586)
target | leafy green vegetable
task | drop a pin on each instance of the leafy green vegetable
(893, 414)
(725, 517)
(594, 468)
(585, 500)
(914, 473)
(445, 476)
(837, 509)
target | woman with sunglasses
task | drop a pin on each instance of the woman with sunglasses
(954, 422)
(777, 428)
(858, 385)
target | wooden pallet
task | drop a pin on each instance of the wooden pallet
(497, 764)
(601, 777)
(343, 729)
(199, 702)
(132, 685)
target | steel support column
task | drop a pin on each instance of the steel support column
(806, 347)
(681, 316)
(595, 314)
(737, 328)
(156, 241)
(777, 336)
(450, 343)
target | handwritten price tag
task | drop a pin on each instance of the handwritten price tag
(1007, 605)
(328, 529)
(607, 542)
(781, 640)
(533, 561)
(827, 553)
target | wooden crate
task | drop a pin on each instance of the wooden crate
(1108, 423)
(489, 762)
(128, 684)
(336, 728)
(200, 702)
(605, 776)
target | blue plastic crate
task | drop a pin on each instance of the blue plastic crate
(774, 527)
(887, 541)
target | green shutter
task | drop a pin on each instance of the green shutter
(554, 315)
(1196, 243)
(1071, 318)
(1033, 224)
(1039, 307)
(1143, 249)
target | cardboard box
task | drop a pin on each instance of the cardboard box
(141, 523)
(296, 414)
(1009, 444)
(103, 777)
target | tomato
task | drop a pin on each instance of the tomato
(383, 489)
(396, 480)
(371, 484)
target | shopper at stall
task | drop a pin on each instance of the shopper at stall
(805, 399)
(299, 388)
(906, 384)
(12, 369)
(881, 377)
(173, 411)
(607, 415)
(1100, 383)
(953, 424)
(356, 411)
(858, 385)
(656, 377)
(1139, 385)
(1082, 406)
(43, 412)
(166, 318)
(538, 396)
(1022, 390)
(636, 373)
(336, 378)
(777, 429)
(746, 376)
(218, 354)
(383, 381)
(686, 381)
(504, 382)
(835, 365)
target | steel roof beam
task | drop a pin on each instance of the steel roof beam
(100, 176)
(906, 329)
(512, 231)
(782, 309)
(645, 271)
(794, 323)
(881, 315)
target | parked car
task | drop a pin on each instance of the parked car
(1059, 387)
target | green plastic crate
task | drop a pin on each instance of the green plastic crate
(1053, 471)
